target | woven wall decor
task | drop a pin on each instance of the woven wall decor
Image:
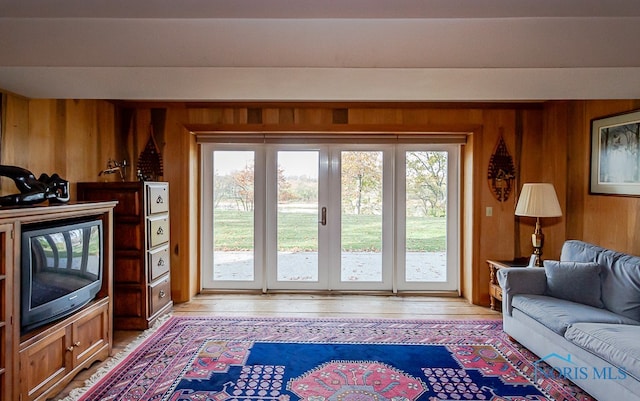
(501, 171)
(150, 160)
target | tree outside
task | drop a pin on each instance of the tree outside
(361, 182)
(427, 184)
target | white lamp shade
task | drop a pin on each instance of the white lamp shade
(538, 200)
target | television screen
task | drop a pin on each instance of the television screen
(61, 269)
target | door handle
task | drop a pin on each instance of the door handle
(323, 218)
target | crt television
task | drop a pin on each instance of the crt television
(61, 269)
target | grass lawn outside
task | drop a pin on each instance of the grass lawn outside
(233, 231)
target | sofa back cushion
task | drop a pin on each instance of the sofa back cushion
(620, 275)
(574, 281)
(580, 251)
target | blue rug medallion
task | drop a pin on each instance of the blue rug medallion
(350, 372)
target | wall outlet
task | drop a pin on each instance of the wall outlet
(489, 211)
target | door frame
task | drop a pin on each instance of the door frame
(271, 228)
(388, 189)
(262, 219)
(207, 223)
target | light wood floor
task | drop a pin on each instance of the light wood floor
(290, 305)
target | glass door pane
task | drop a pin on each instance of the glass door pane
(233, 215)
(361, 205)
(426, 216)
(297, 215)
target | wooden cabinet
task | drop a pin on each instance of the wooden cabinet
(6, 304)
(142, 282)
(62, 350)
(38, 364)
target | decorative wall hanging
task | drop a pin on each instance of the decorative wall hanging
(615, 149)
(150, 160)
(501, 171)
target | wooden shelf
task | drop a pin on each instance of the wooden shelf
(142, 279)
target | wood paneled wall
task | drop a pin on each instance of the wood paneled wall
(69, 137)
(549, 142)
(609, 221)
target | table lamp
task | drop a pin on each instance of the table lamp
(538, 200)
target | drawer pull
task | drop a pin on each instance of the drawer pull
(159, 199)
(162, 294)
(160, 231)
(160, 262)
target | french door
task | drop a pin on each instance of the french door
(330, 217)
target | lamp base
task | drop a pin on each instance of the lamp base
(536, 258)
(537, 239)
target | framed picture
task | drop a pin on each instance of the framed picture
(615, 154)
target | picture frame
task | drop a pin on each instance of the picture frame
(615, 154)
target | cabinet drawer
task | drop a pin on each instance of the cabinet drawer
(158, 230)
(159, 262)
(157, 198)
(160, 295)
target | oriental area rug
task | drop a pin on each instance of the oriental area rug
(326, 359)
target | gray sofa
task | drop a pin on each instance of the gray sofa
(580, 315)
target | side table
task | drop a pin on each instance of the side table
(495, 292)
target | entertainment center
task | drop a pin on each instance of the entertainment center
(68, 248)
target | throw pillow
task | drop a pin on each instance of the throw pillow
(574, 281)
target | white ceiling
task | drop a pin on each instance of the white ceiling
(414, 50)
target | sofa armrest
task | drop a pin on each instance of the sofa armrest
(520, 280)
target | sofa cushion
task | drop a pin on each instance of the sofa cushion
(574, 281)
(621, 284)
(615, 343)
(558, 314)
(620, 275)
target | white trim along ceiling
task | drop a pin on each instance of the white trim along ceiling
(313, 50)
